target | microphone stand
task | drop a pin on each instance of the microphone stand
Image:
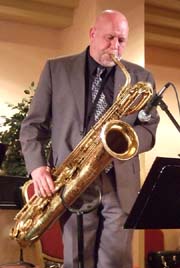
(79, 214)
(164, 107)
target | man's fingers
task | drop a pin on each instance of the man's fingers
(43, 182)
(36, 188)
(50, 183)
(46, 186)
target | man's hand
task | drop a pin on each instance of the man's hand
(43, 182)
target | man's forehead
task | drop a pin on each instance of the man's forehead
(118, 31)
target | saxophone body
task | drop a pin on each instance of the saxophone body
(109, 138)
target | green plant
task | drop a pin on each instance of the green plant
(13, 163)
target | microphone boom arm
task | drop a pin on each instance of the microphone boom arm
(145, 116)
(164, 107)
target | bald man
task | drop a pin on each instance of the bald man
(63, 106)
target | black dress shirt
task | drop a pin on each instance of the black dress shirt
(108, 88)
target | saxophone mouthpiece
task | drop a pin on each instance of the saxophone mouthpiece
(115, 58)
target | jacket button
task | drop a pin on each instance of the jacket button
(82, 133)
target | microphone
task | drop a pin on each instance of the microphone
(144, 115)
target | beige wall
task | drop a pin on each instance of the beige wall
(165, 65)
(24, 50)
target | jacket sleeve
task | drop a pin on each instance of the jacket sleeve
(35, 128)
(147, 131)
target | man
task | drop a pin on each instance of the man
(63, 103)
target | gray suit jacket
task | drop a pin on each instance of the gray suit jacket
(59, 105)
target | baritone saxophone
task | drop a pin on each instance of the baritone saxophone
(109, 138)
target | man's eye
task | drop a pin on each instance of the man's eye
(121, 40)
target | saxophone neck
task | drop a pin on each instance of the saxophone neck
(123, 69)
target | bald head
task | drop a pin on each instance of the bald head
(108, 36)
(110, 16)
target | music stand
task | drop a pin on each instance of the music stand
(158, 203)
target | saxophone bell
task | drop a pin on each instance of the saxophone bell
(119, 139)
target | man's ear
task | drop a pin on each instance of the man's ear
(92, 33)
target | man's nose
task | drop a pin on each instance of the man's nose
(115, 42)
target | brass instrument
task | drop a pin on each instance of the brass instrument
(108, 138)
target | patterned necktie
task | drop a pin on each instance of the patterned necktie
(101, 105)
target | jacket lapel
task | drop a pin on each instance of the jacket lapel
(77, 82)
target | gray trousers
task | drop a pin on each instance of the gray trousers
(106, 243)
